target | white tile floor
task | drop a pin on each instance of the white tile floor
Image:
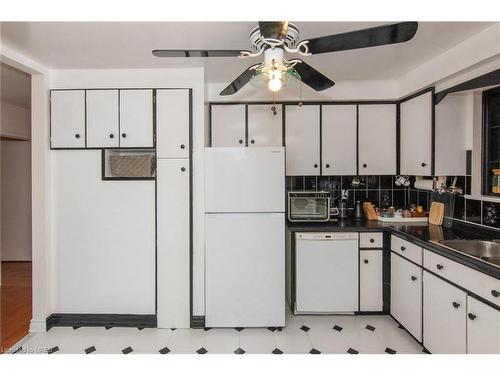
(302, 334)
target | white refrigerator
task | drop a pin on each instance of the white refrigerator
(245, 237)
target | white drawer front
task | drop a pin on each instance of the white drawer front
(406, 249)
(483, 285)
(371, 240)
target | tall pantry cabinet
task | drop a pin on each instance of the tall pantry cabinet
(173, 147)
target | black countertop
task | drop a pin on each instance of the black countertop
(422, 234)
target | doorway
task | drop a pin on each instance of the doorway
(15, 206)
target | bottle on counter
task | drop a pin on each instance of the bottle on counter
(358, 211)
(495, 181)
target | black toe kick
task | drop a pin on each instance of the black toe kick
(101, 320)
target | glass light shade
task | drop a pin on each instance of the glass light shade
(290, 79)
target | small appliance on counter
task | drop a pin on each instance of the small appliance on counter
(308, 206)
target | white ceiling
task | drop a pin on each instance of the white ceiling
(87, 45)
(15, 86)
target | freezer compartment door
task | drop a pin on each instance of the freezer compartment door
(244, 179)
(245, 270)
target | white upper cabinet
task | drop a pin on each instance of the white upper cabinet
(302, 140)
(102, 118)
(416, 135)
(136, 118)
(264, 127)
(444, 316)
(228, 125)
(338, 140)
(67, 118)
(483, 328)
(377, 139)
(172, 123)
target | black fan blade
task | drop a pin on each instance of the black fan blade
(273, 29)
(196, 53)
(312, 77)
(375, 36)
(239, 82)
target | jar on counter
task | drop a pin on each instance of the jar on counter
(495, 181)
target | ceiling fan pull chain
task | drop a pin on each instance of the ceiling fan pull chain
(300, 92)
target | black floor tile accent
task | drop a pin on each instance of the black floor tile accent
(108, 327)
(173, 329)
(239, 351)
(314, 351)
(272, 329)
(53, 350)
(277, 351)
(202, 350)
(279, 329)
(127, 350)
(140, 328)
(207, 329)
(305, 328)
(17, 350)
(400, 326)
(239, 329)
(90, 349)
(370, 328)
(390, 351)
(164, 350)
(76, 327)
(352, 351)
(337, 328)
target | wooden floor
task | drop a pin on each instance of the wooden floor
(15, 302)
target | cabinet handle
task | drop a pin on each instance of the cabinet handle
(413, 278)
(252, 141)
(365, 165)
(366, 261)
(315, 165)
(327, 165)
(471, 316)
(111, 136)
(124, 135)
(456, 305)
(439, 266)
(495, 293)
(183, 147)
(423, 164)
(240, 141)
(77, 136)
(372, 240)
(403, 248)
(183, 169)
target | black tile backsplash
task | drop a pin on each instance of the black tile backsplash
(459, 212)
(491, 214)
(473, 211)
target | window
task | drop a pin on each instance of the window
(491, 140)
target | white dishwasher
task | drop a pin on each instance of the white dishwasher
(326, 273)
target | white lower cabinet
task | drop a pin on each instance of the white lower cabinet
(370, 280)
(444, 316)
(406, 295)
(173, 243)
(483, 328)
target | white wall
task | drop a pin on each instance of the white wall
(16, 200)
(16, 121)
(158, 78)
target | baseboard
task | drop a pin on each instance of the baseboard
(198, 321)
(38, 325)
(101, 320)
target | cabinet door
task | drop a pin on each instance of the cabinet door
(173, 242)
(67, 119)
(302, 140)
(483, 328)
(264, 127)
(377, 139)
(228, 125)
(102, 118)
(444, 312)
(406, 295)
(338, 140)
(370, 280)
(172, 123)
(416, 135)
(136, 118)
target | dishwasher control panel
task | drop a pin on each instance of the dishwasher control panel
(319, 236)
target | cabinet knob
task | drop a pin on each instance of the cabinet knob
(365, 165)
(403, 248)
(366, 261)
(315, 165)
(423, 164)
(439, 266)
(495, 293)
(456, 305)
(124, 135)
(413, 278)
(183, 169)
(240, 141)
(77, 136)
(372, 240)
(183, 147)
(252, 141)
(327, 165)
(471, 316)
(111, 136)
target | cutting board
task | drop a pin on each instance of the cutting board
(436, 213)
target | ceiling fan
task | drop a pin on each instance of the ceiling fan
(274, 38)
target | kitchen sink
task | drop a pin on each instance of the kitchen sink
(488, 251)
